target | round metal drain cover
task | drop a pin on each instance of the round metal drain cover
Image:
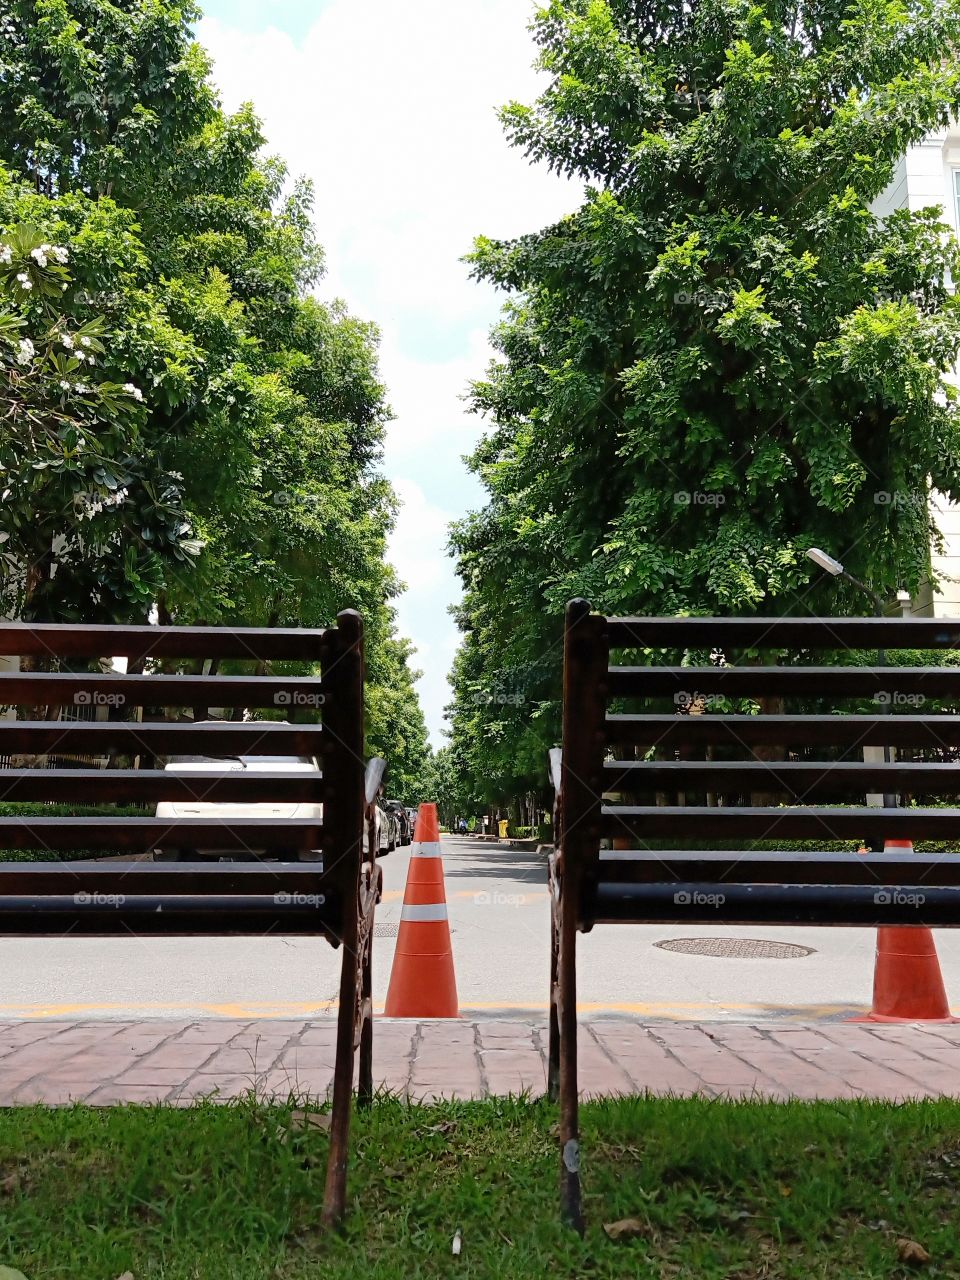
(736, 948)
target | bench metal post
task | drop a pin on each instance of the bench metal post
(581, 788)
(343, 858)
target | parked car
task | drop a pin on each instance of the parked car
(391, 825)
(169, 811)
(403, 819)
(199, 765)
(382, 827)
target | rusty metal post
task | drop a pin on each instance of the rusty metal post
(553, 1055)
(585, 660)
(369, 898)
(343, 721)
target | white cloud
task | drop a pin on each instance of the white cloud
(420, 527)
(427, 398)
(391, 110)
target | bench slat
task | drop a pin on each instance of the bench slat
(70, 640)
(817, 730)
(92, 737)
(124, 786)
(20, 879)
(55, 689)
(220, 915)
(783, 633)
(795, 778)
(144, 834)
(692, 902)
(739, 682)
(797, 823)
(652, 866)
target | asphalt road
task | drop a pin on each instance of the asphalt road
(499, 918)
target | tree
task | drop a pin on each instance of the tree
(85, 518)
(262, 404)
(229, 441)
(723, 356)
(448, 787)
(396, 728)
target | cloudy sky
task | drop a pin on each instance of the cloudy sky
(391, 110)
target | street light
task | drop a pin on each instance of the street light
(836, 570)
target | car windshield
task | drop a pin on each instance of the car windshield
(248, 762)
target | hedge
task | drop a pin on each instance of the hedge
(42, 810)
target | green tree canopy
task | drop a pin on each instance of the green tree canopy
(85, 514)
(229, 439)
(723, 356)
(396, 728)
(198, 255)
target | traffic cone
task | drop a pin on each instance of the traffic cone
(423, 983)
(907, 982)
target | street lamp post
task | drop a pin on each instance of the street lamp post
(836, 570)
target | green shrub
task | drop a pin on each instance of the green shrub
(40, 809)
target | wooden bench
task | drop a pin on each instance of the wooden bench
(302, 876)
(677, 763)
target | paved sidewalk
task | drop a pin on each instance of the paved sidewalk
(110, 1062)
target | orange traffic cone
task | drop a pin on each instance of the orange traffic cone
(907, 982)
(423, 983)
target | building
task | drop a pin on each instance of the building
(929, 175)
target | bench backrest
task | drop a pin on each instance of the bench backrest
(117, 758)
(692, 745)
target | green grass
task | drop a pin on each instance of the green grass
(732, 1190)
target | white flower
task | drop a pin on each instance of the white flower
(67, 341)
(59, 253)
(131, 390)
(40, 255)
(84, 342)
(64, 385)
(82, 388)
(24, 280)
(25, 351)
(6, 254)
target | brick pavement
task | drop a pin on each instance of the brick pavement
(110, 1062)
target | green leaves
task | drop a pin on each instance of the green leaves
(217, 382)
(724, 356)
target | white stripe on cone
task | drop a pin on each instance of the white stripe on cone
(425, 849)
(425, 912)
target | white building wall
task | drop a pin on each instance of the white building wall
(924, 179)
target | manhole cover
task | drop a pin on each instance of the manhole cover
(736, 948)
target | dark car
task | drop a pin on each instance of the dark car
(402, 819)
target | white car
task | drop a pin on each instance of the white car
(185, 810)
